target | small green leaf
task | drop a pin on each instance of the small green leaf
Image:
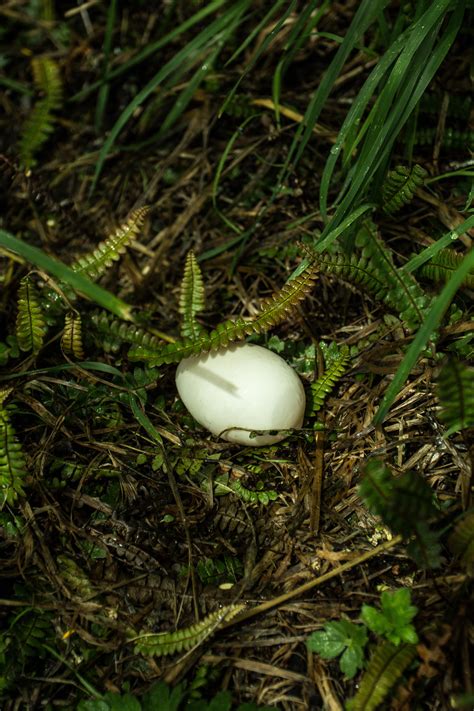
(352, 660)
(127, 702)
(160, 696)
(341, 637)
(95, 705)
(394, 620)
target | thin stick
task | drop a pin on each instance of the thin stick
(274, 602)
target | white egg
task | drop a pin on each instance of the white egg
(239, 389)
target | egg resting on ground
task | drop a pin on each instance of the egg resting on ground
(242, 386)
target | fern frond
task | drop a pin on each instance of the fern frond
(185, 639)
(456, 396)
(253, 496)
(402, 292)
(405, 504)
(442, 266)
(354, 268)
(93, 265)
(372, 269)
(215, 571)
(401, 501)
(4, 393)
(326, 382)
(113, 333)
(461, 541)
(40, 122)
(273, 310)
(452, 138)
(191, 299)
(12, 459)
(385, 668)
(30, 324)
(71, 340)
(458, 107)
(400, 185)
(75, 577)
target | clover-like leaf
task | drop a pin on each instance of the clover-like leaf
(342, 637)
(393, 621)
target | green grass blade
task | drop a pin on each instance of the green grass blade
(105, 88)
(63, 273)
(301, 30)
(220, 167)
(418, 260)
(151, 48)
(178, 64)
(431, 323)
(268, 39)
(355, 114)
(324, 242)
(411, 74)
(365, 15)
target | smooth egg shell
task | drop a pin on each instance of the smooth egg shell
(243, 386)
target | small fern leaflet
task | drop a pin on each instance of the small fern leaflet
(71, 340)
(385, 668)
(191, 300)
(40, 122)
(405, 503)
(113, 333)
(95, 264)
(400, 185)
(461, 541)
(273, 311)
(185, 639)
(456, 396)
(326, 382)
(443, 264)
(30, 324)
(402, 291)
(371, 267)
(12, 459)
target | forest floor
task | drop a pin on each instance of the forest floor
(136, 520)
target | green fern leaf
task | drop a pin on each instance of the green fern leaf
(326, 382)
(216, 571)
(185, 639)
(405, 503)
(456, 396)
(273, 310)
(385, 668)
(12, 459)
(371, 267)
(71, 340)
(113, 333)
(95, 264)
(400, 186)
(401, 501)
(75, 577)
(355, 269)
(40, 122)
(401, 290)
(443, 264)
(191, 300)
(254, 496)
(30, 324)
(461, 541)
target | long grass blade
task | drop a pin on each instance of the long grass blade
(177, 65)
(431, 323)
(151, 48)
(418, 260)
(105, 88)
(411, 74)
(63, 273)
